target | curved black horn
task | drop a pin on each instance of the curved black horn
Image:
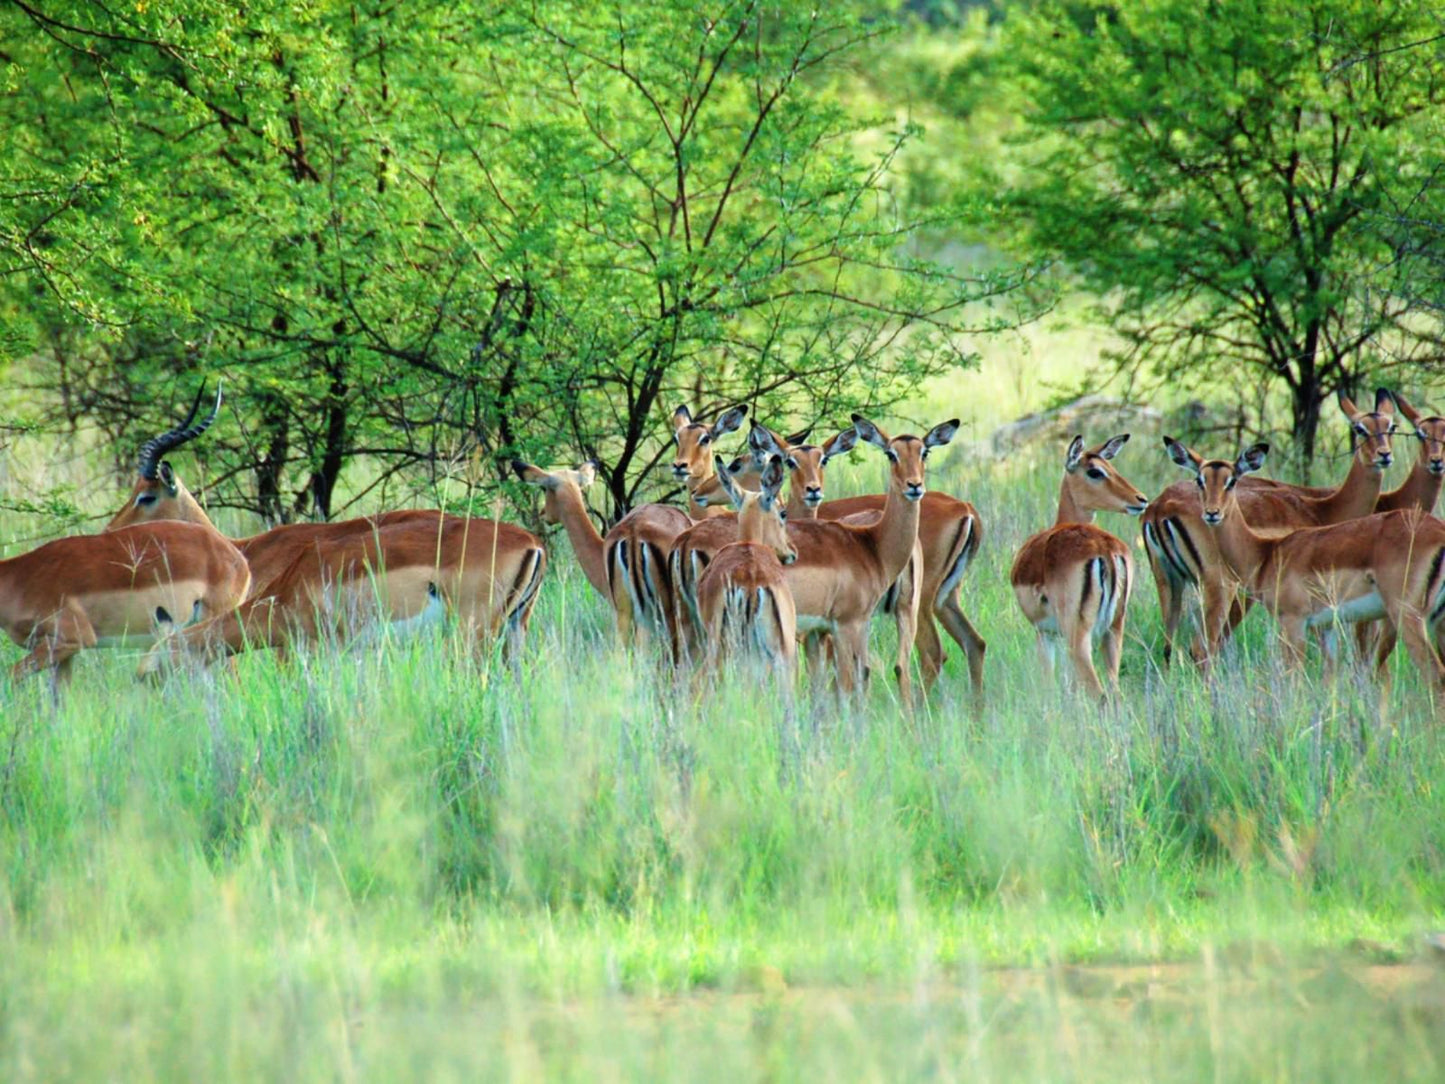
(152, 450)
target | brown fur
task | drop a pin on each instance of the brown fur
(1074, 579)
(485, 572)
(1316, 573)
(71, 593)
(743, 594)
(1183, 554)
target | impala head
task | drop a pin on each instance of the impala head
(1093, 482)
(806, 462)
(1216, 478)
(158, 493)
(1370, 433)
(709, 493)
(906, 453)
(761, 516)
(1430, 432)
(695, 440)
(555, 484)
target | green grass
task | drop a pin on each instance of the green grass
(404, 860)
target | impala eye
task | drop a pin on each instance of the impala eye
(1199, 480)
(783, 515)
(792, 463)
(706, 438)
(1230, 484)
(1096, 474)
(145, 500)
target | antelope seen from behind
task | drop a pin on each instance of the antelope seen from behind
(1073, 580)
(743, 595)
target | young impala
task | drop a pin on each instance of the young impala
(743, 595)
(1182, 554)
(1390, 565)
(1072, 581)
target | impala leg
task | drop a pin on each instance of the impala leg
(929, 648)
(1384, 642)
(1113, 648)
(1293, 641)
(1217, 594)
(1046, 648)
(1422, 652)
(905, 617)
(1171, 603)
(962, 630)
(1081, 655)
(55, 641)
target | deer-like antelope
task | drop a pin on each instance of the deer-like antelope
(1182, 554)
(483, 573)
(1073, 580)
(1389, 566)
(159, 494)
(844, 569)
(743, 595)
(114, 589)
(696, 453)
(949, 534)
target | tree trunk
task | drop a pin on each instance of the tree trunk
(333, 456)
(1305, 399)
(274, 424)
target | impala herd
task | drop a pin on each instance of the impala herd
(744, 571)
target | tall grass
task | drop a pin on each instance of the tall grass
(411, 858)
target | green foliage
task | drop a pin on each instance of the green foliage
(414, 232)
(1216, 174)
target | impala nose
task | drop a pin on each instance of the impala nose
(679, 471)
(1140, 505)
(1212, 517)
(913, 491)
(1437, 466)
(789, 558)
(1386, 459)
(812, 495)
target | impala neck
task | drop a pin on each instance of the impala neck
(1244, 551)
(1420, 489)
(586, 542)
(1356, 497)
(897, 531)
(1070, 511)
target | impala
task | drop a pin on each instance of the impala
(116, 588)
(1390, 565)
(696, 445)
(806, 463)
(743, 595)
(159, 494)
(1182, 554)
(1072, 581)
(484, 573)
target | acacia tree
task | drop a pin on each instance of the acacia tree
(418, 232)
(1214, 172)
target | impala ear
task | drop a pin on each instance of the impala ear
(738, 466)
(1347, 404)
(735, 494)
(1384, 401)
(168, 479)
(762, 441)
(1074, 456)
(1411, 414)
(587, 473)
(800, 437)
(772, 481)
(1110, 448)
(533, 476)
(730, 422)
(1251, 459)
(866, 430)
(940, 434)
(844, 442)
(680, 417)
(1182, 456)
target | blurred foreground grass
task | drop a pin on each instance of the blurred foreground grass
(404, 860)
